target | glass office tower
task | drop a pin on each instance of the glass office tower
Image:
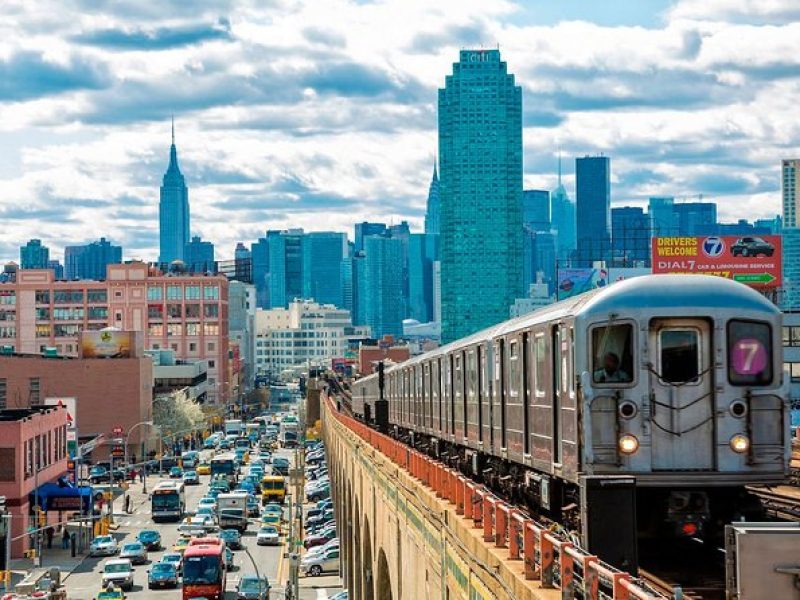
(480, 190)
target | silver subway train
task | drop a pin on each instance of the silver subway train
(676, 380)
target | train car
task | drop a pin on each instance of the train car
(676, 380)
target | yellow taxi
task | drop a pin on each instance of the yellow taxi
(181, 545)
(203, 469)
(111, 593)
(272, 519)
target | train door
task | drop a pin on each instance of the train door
(498, 410)
(558, 393)
(682, 409)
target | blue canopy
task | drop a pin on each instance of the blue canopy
(62, 496)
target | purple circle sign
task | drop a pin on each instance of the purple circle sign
(749, 357)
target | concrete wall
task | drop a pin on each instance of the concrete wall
(400, 542)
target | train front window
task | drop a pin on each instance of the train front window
(612, 354)
(680, 355)
(749, 353)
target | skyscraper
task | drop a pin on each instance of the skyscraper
(423, 251)
(696, 218)
(366, 229)
(323, 253)
(242, 263)
(285, 267)
(433, 210)
(259, 251)
(630, 236)
(90, 261)
(536, 209)
(58, 268)
(562, 220)
(663, 220)
(173, 210)
(593, 208)
(199, 255)
(480, 187)
(790, 185)
(381, 284)
(33, 255)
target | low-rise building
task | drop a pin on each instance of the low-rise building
(107, 392)
(33, 452)
(306, 333)
(385, 350)
(171, 374)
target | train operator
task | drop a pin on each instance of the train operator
(611, 373)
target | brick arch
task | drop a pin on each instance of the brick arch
(383, 579)
(368, 572)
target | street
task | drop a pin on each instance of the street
(84, 582)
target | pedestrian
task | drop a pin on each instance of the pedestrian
(49, 532)
(141, 475)
(127, 504)
(65, 539)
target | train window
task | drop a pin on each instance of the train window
(749, 353)
(540, 350)
(680, 355)
(513, 369)
(612, 347)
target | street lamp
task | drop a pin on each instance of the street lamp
(127, 438)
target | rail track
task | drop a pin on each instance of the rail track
(779, 505)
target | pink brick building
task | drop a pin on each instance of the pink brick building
(31, 440)
(185, 312)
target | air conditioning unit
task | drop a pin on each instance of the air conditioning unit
(7, 350)
(50, 352)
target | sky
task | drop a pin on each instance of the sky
(322, 113)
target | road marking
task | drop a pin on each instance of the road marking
(279, 574)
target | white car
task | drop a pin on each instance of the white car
(103, 545)
(207, 503)
(325, 562)
(202, 522)
(334, 543)
(268, 536)
(119, 572)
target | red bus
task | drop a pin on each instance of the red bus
(204, 571)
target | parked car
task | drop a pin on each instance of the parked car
(319, 492)
(268, 535)
(118, 571)
(175, 559)
(752, 246)
(319, 538)
(162, 574)
(97, 474)
(334, 543)
(135, 552)
(191, 478)
(322, 563)
(176, 472)
(103, 545)
(232, 538)
(339, 596)
(150, 538)
(251, 587)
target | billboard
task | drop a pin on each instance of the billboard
(572, 282)
(107, 343)
(753, 260)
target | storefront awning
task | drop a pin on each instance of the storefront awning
(62, 496)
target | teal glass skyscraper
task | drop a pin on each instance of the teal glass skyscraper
(173, 210)
(480, 189)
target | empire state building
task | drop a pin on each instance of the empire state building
(173, 210)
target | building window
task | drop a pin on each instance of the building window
(42, 330)
(156, 329)
(118, 316)
(68, 297)
(174, 292)
(8, 464)
(193, 329)
(192, 292)
(211, 364)
(156, 346)
(98, 312)
(117, 293)
(192, 345)
(3, 387)
(210, 329)
(175, 347)
(33, 391)
(8, 297)
(192, 311)
(174, 311)
(211, 311)
(211, 346)
(155, 311)
(155, 292)
(42, 296)
(211, 292)
(174, 329)
(96, 296)
(8, 332)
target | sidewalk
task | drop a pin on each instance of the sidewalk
(63, 559)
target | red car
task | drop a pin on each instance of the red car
(319, 539)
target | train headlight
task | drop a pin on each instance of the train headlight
(740, 443)
(628, 444)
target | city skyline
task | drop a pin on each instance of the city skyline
(343, 122)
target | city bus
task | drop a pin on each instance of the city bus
(225, 464)
(204, 571)
(168, 501)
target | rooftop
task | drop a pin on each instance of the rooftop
(21, 414)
